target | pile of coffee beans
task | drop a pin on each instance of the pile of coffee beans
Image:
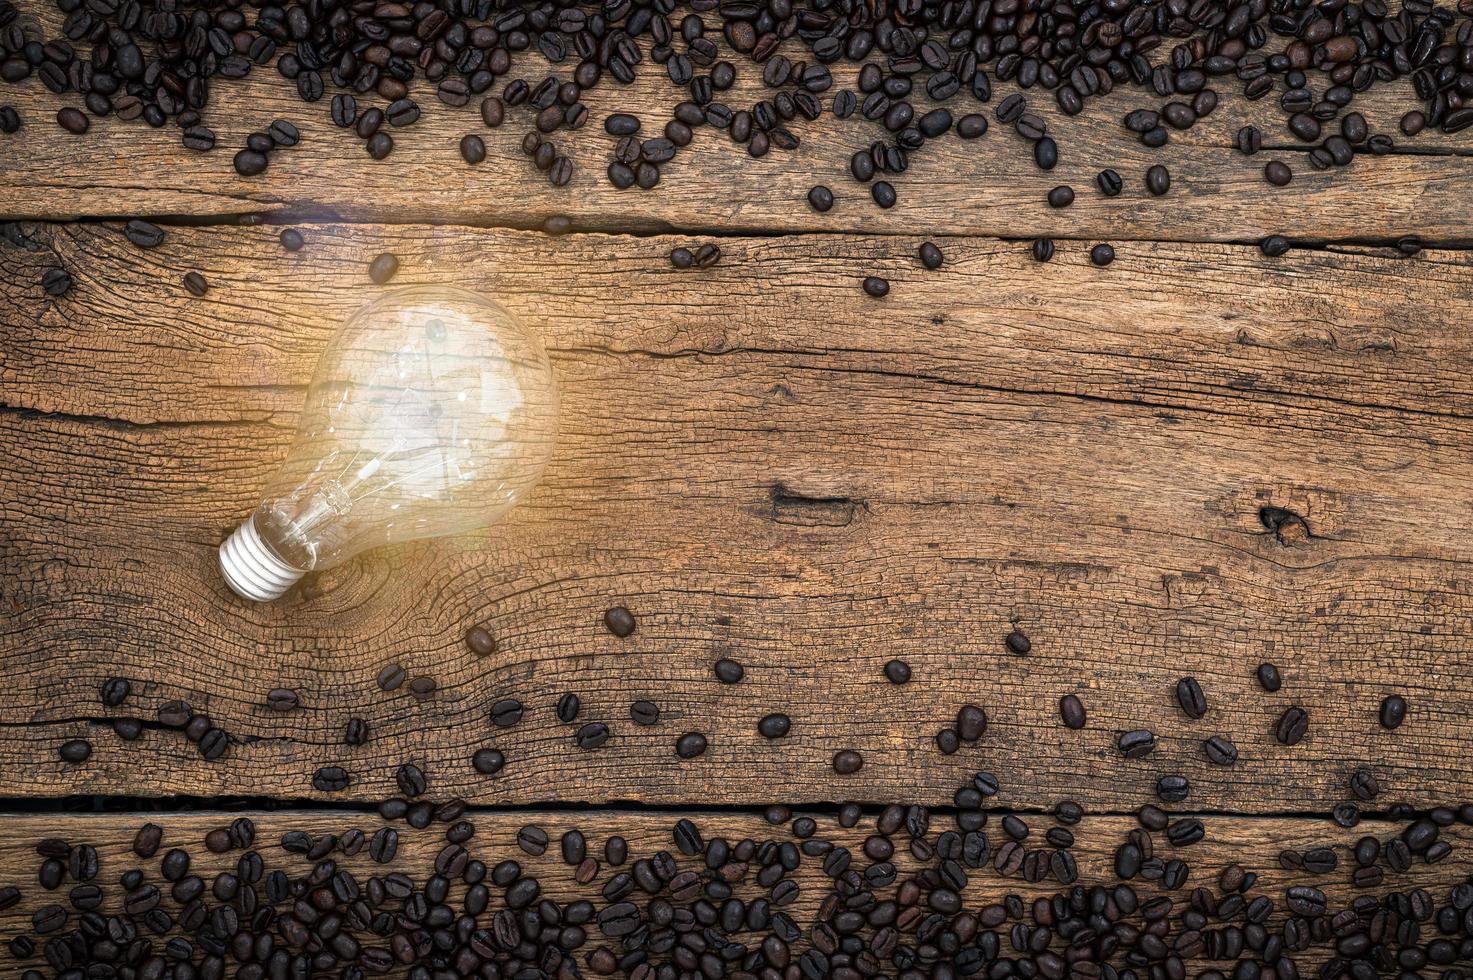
(158, 60)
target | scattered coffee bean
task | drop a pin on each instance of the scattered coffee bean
(620, 621)
(382, 268)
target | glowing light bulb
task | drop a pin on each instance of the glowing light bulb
(432, 412)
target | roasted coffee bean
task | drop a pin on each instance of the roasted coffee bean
(1274, 246)
(1364, 785)
(282, 699)
(847, 762)
(775, 725)
(292, 240)
(897, 672)
(56, 282)
(883, 193)
(1071, 710)
(620, 621)
(971, 723)
(728, 671)
(690, 745)
(74, 121)
(75, 750)
(472, 149)
(195, 284)
(1190, 697)
(506, 712)
(1268, 677)
(1102, 254)
(1109, 182)
(591, 736)
(143, 234)
(1292, 726)
(1220, 750)
(682, 258)
(1137, 744)
(1017, 643)
(1250, 140)
(930, 256)
(820, 198)
(488, 762)
(1172, 788)
(174, 714)
(382, 268)
(127, 729)
(1043, 250)
(644, 713)
(567, 707)
(1277, 173)
(1393, 711)
(1061, 196)
(1158, 180)
(876, 287)
(330, 779)
(410, 779)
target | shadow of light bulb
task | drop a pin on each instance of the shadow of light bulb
(432, 412)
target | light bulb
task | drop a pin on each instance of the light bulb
(432, 412)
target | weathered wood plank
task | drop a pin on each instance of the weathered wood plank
(814, 487)
(988, 187)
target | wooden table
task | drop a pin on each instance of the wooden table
(1191, 461)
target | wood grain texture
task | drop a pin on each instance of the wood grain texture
(813, 486)
(1252, 843)
(988, 187)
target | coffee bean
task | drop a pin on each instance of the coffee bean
(1043, 250)
(1292, 726)
(1061, 196)
(488, 762)
(292, 240)
(1172, 788)
(250, 163)
(707, 255)
(127, 729)
(897, 672)
(143, 234)
(1268, 677)
(196, 284)
(391, 678)
(9, 119)
(1071, 710)
(820, 198)
(382, 268)
(1250, 140)
(1017, 643)
(493, 112)
(728, 671)
(56, 282)
(971, 126)
(411, 780)
(282, 699)
(480, 641)
(506, 712)
(680, 258)
(1393, 711)
(213, 744)
(1277, 173)
(971, 723)
(591, 736)
(883, 193)
(1102, 254)
(1158, 180)
(847, 761)
(1364, 785)
(330, 779)
(174, 714)
(1220, 750)
(1190, 697)
(356, 732)
(567, 708)
(472, 149)
(74, 121)
(1137, 744)
(75, 750)
(690, 745)
(379, 144)
(1274, 246)
(1109, 182)
(644, 713)
(620, 621)
(621, 124)
(876, 287)
(774, 726)
(931, 256)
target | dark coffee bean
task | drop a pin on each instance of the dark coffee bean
(728, 671)
(1071, 710)
(690, 745)
(292, 240)
(56, 282)
(472, 149)
(1413, 122)
(214, 744)
(74, 121)
(411, 780)
(356, 732)
(480, 641)
(1277, 173)
(282, 699)
(621, 124)
(897, 672)
(820, 198)
(591, 736)
(1292, 726)
(493, 112)
(9, 119)
(1250, 140)
(774, 726)
(644, 713)
(391, 678)
(1046, 153)
(876, 286)
(971, 126)
(1364, 785)
(488, 762)
(383, 267)
(1017, 643)
(620, 621)
(971, 723)
(1137, 744)
(1102, 254)
(143, 234)
(567, 708)
(506, 712)
(1158, 180)
(174, 714)
(1190, 697)
(1109, 183)
(344, 110)
(883, 193)
(847, 762)
(379, 145)
(1220, 750)
(196, 284)
(127, 729)
(707, 255)
(1393, 711)
(76, 750)
(931, 256)
(1043, 250)
(1274, 246)
(1172, 788)
(250, 163)
(1061, 196)
(682, 258)
(1268, 677)
(330, 779)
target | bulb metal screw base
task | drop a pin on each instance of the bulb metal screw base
(251, 569)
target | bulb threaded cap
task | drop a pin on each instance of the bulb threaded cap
(250, 567)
